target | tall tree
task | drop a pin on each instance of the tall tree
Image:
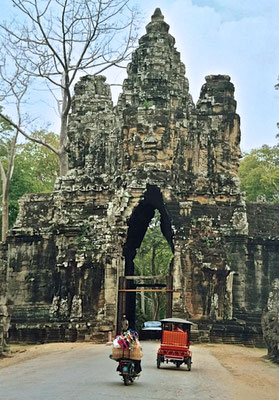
(7, 152)
(58, 40)
(14, 85)
(35, 171)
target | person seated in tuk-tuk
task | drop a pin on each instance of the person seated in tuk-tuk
(177, 328)
(168, 327)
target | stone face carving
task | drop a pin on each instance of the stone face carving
(155, 150)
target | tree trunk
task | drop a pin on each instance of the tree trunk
(153, 272)
(142, 302)
(5, 210)
(6, 179)
(63, 156)
(142, 272)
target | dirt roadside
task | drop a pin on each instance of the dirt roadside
(254, 376)
(21, 353)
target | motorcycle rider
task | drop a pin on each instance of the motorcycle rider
(125, 329)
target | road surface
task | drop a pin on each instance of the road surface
(84, 371)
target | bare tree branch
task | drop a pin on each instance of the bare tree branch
(60, 38)
(32, 138)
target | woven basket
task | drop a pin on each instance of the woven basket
(134, 354)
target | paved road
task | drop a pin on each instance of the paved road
(87, 373)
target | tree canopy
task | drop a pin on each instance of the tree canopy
(259, 173)
(35, 170)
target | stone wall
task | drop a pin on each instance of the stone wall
(155, 150)
(270, 322)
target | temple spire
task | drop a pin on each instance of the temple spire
(157, 22)
(157, 16)
(156, 74)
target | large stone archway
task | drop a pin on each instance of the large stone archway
(137, 227)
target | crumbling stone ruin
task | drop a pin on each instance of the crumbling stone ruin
(4, 313)
(270, 322)
(155, 150)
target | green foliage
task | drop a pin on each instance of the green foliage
(153, 258)
(6, 138)
(84, 241)
(153, 241)
(35, 171)
(6, 134)
(259, 173)
(146, 104)
(39, 164)
(5, 129)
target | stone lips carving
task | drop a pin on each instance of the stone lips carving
(155, 150)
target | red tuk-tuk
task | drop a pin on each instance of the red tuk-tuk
(175, 342)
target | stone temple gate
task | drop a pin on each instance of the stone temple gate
(61, 263)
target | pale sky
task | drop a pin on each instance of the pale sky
(239, 38)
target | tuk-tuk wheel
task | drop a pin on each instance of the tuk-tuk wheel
(158, 362)
(189, 364)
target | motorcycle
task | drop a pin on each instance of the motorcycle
(126, 369)
(128, 356)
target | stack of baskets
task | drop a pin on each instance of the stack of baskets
(127, 345)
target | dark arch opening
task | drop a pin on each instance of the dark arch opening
(138, 225)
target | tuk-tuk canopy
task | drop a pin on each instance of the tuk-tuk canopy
(176, 321)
